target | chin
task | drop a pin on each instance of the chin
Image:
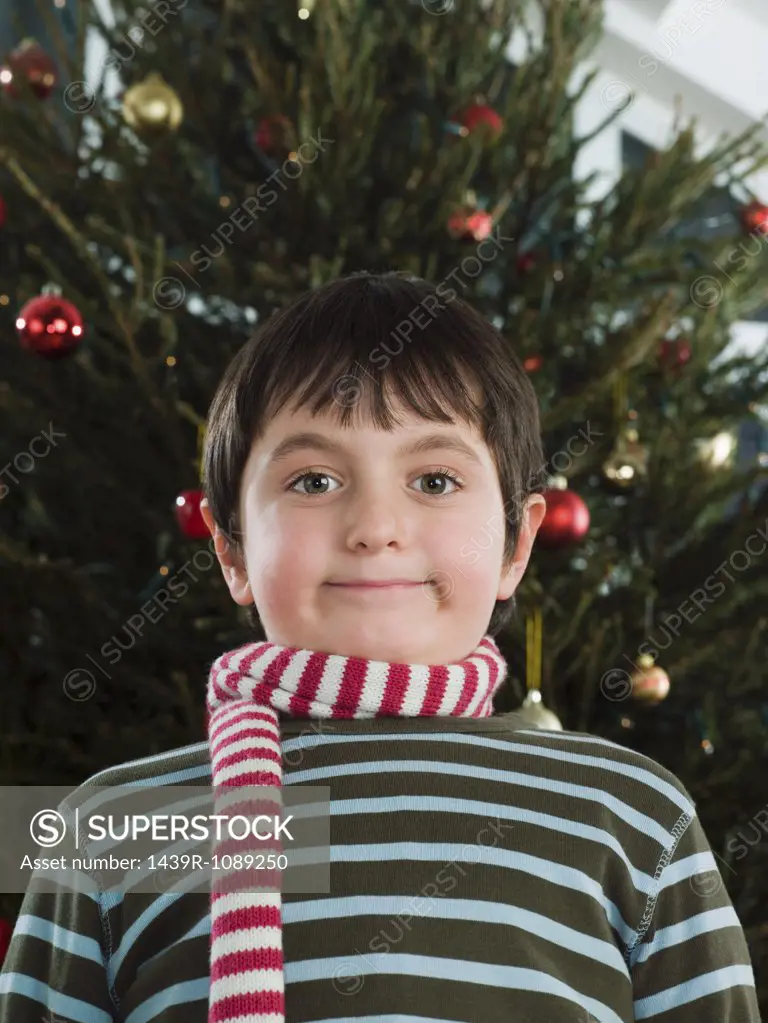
(352, 641)
(376, 647)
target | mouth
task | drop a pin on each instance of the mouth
(383, 584)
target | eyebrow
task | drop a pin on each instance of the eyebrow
(319, 442)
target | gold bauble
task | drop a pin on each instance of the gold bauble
(152, 105)
(650, 684)
(627, 464)
(535, 714)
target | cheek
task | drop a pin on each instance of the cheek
(285, 554)
(471, 547)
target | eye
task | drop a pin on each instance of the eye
(314, 477)
(319, 480)
(458, 484)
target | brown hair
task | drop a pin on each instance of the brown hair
(355, 340)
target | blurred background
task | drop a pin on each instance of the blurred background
(592, 176)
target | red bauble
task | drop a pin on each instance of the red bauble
(526, 261)
(565, 521)
(189, 516)
(674, 354)
(533, 363)
(29, 60)
(271, 133)
(470, 225)
(480, 115)
(50, 326)
(6, 931)
(755, 217)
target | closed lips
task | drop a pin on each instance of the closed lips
(377, 582)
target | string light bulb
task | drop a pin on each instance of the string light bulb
(718, 451)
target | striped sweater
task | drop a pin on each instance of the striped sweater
(480, 871)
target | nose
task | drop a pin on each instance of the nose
(375, 521)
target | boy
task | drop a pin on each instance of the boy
(480, 871)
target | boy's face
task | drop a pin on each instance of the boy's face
(372, 511)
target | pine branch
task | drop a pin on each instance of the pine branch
(80, 245)
(640, 342)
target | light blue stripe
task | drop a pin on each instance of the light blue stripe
(176, 994)
(201, 929)
(591, 740)
(110, 792)
(129, 937)
(59, 937)
(69, 881)
(690, 866)
(639, 821)
(103, 846)
(435, 804)
(459, 909)
(114, 897)
(456, 970)
(447, 852)
(155, 758)
(132, 878)
(584, 739)
(699, 987)
(389, 1018)
(554, 873)
(445, 909)
(640, 774)
(61, 1005)
(676, 934)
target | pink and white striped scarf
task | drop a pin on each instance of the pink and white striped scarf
(246, 689)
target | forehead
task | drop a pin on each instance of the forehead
(360, 421)
(360, 403)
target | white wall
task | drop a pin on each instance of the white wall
(695, 58)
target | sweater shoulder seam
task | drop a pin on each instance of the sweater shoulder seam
(681, 826)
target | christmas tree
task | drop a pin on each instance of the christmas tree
(172, 174)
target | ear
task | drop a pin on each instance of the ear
(232, 565)
(533, 513)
